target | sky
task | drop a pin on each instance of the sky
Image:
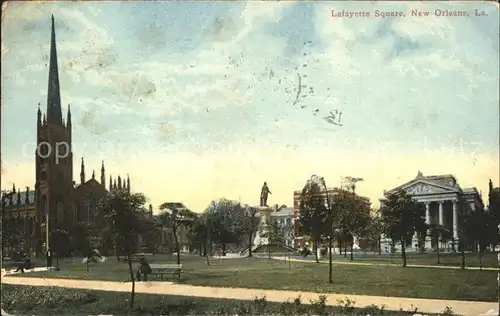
(202, 101)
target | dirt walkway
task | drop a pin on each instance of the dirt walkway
(392, 303)
(360, 263)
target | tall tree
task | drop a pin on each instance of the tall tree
(402, 217)
(196, 234)
(122, 212)
(252, 220)
(438, 234)
(175, 215)
(374, 231)
(493, 215)
(313, 213)
(352, 218)
(226, 222)
(59, 241)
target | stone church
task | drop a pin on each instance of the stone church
(56, 198)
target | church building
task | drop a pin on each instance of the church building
(57, 202)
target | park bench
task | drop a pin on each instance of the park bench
(162, 269)
(133, 258)
(13, 265)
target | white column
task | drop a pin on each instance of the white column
(455, 220)
(428, 213)
(441, 221)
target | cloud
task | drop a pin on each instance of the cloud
(236, 107)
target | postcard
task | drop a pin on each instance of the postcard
(250, 157)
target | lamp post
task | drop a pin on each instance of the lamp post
(330, 228)
(46, 230)
(498, 276)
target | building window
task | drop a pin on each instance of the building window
(75, 213)
(60, 211)
(89, 210)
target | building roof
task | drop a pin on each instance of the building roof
(286, 211)
(31, 197)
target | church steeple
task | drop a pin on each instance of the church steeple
(103, 176)
(128, 183)
(54, 111)
(39, 115)
(68, 117)
(82, 173)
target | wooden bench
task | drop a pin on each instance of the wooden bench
(162, 269)
(133, 258)
(13, 265)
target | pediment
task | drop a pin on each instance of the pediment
(423, 187)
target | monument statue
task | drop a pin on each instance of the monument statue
(264, 192)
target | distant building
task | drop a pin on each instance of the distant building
(445, 201)
(301, 241)
(55, 193)
(285, 220)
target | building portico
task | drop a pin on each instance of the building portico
(444, 202)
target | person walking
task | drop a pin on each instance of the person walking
(48, 257)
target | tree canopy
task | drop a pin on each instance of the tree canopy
(226, 222)
(402, 217)
(313, 212)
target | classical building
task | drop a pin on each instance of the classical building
(445, 201)
(285, 220)
(56, 196)
(332, 193)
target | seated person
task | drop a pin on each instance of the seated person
(25, 265)
(144, 269)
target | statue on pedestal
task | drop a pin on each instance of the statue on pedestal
(264, 192)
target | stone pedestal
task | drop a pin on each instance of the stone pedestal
(264, 226)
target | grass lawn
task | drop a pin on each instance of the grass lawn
(274, 274)
(446, 259)
(61, 301)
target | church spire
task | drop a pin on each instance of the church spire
(82, 173)
(54, 111)
(39, 115)
(68, 116)
(103, 176)
(128, 183)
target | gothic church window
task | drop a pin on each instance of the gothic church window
(75, 213)
(89, 209)
(44, 204)
(60, 211)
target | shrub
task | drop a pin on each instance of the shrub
(318, 307)
(374, 310)
(347, 305)
(448, 311)
(260, 305)
(26, 297)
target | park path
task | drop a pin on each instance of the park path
(360, 263)
(392, 303)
